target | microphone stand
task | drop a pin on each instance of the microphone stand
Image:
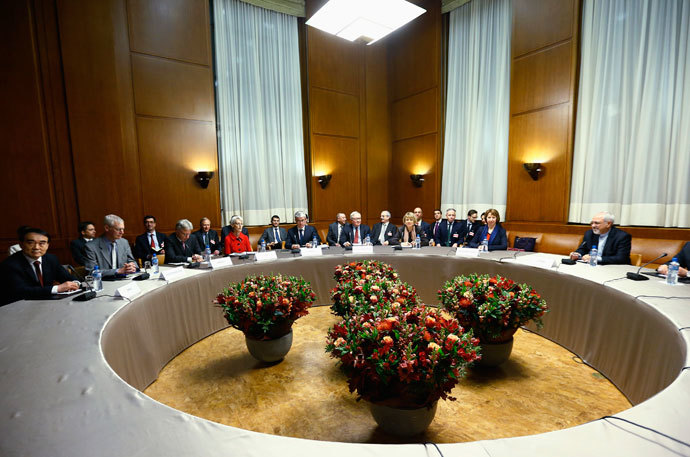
(637, 276)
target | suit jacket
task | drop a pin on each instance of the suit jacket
(431, 232)
(77, 248)
(400, 236)
(212, 239)
(391, 231)
(456, 237)
(19, 280)
(293, 236)
(142, 245)
(349, 233)
(469, 232)
(176, 253)
(616, 249)
(426, 227)
(270, 237)
(683, 256)
(332, 236)
(98, 253)
(497, 242)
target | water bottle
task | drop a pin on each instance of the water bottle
(207, 254)
(154, 263)
(672, 273)
(314, 243)
(367, 240)
(593, 253)
(97, 278)
(417, 242)
(485, 246)
(262, 248)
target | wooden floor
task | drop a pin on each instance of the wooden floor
(541, 388)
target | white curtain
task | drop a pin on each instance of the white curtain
(259, 104)
(475, 157)
(632, 137)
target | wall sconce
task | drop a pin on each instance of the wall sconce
(324, 180)
(203, 177)
(417, 180)
(533, 169)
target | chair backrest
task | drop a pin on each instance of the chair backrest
(636, 259)
(560, 243)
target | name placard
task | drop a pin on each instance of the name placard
(311, 252)
(362, 249)
(536, 261)
(221, 262)
(129, 291)
(171, 274)
(266, 256)
(467, 252)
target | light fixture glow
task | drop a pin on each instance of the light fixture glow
(364, 20)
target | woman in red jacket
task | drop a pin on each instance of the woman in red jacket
(235, 240)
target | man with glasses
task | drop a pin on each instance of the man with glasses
(383, 231)
(110, 251)
(301, 235)
(356, 232)
(32, 273)
(149, 242)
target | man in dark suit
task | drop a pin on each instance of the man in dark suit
(613, 244)
(435, 226)
(206, 236)
(383, 231)
(470, 226)
(150, 241)
(683, 258)
(30, 273)
(182, 247)
(450, 231)
(77, 247)
(336, 229)
(110, 251)
(301, 235)
(420, 223)
(275, 234)
(355, 232)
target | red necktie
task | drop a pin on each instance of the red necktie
(153, 243)
(37, 266)
(356, 235)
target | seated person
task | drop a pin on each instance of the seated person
(301, 235)
(18, 247)
(275, 235)
(150, 241)
(87, 231)
(436, 225)
(470, 226)
(30, 274)
(228, 228)
(683, 260)
(110, 251)
(382, 232)
(483, 218)
(355, 232)
(407, 233)
(492, 231)
(421, 224)
(207, 236)
(613, 244)
(450, 232)
(236, 241)
(181, 246)
(336, 229)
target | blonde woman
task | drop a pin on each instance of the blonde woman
(407, 234)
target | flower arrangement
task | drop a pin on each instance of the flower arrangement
(402, 357)
(364, 269)
(264, 307)
(362, 296)
(493, 306)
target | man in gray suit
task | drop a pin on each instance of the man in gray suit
(274, 235)
(110, 251)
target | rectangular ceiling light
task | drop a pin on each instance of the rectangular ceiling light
(364, 20)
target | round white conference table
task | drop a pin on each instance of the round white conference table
(72, 372)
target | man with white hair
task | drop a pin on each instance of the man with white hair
(383, 231)
(110, 251)
(181, 247)
(613, 245)
(355, 231)
(301, 235)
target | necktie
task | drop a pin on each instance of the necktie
(382, 235)
(356, 235)
(450, 226)
(436, 228)
(113, 255)
(184, 247)
(205, 242)
(340, 228)
(276, 235)
(301, 236)
(37, 266)
(153, 242)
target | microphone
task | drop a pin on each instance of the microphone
(637, 276)
(514, 256)
(87, 294)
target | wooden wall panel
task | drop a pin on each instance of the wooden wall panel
(176, 29)
(415, 115)
(540, 23)
(98, 82)
(334, 113)
(541, 136)
(168, 88)
(192, 145)
(334, 63)
(542, 79)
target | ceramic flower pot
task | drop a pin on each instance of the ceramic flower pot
(403, 421)
(494, 354)
(269, 350)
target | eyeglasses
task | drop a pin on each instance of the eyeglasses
(118, 229)
(34, 243)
